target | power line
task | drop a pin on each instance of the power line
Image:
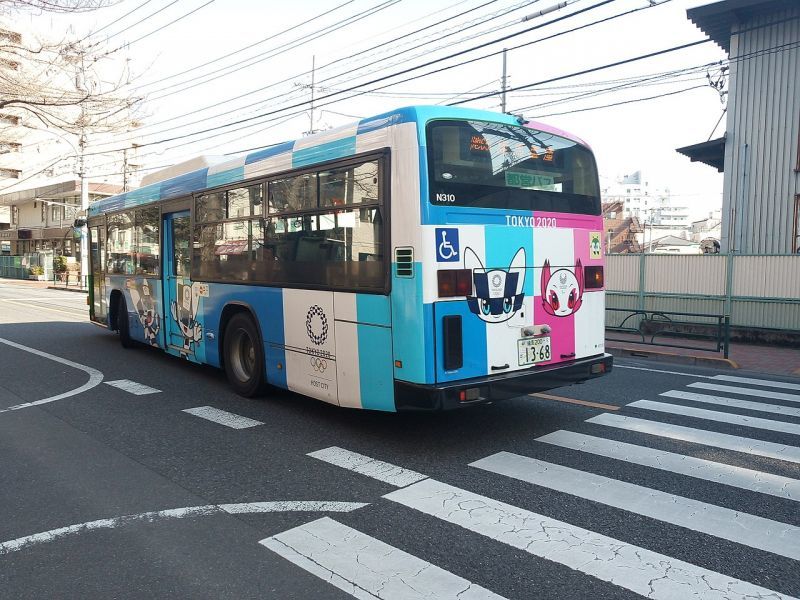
(285, 108)
(110, 23)
(743, 57)
(262, 101)
(140, 38)
(249, 46)
(393, 75)
(142, 20)
(592, 70)
(285, 48)
(664, 95)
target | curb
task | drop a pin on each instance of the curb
(682, 359)
(67, 289)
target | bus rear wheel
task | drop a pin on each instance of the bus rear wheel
(244, 356)
(123, 323)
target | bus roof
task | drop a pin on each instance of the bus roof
(320, 147)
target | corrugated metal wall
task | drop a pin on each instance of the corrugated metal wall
(675, 274)
(762, 127)
(764, 291)
(622, 272)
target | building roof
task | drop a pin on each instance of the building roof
(56, 191)
(711, 153)
(671, 240)
(716, 20)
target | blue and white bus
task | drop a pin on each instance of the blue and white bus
(425, 258)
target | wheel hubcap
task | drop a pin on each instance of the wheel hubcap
(243, 359)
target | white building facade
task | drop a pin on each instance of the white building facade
(649, 204)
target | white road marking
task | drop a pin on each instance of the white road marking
(700, 436)
(735, 526)
(762, 382)
(176, 513)
(138, 389)
(746, 391)
(699, 468)
(720, 417)
(290, 506)
(370, 467)
(95, 376)
(368, 568)
(618, 366)
(637, 569)
(222, 417)
(777, 409)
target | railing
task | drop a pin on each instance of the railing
(70, 279)
(653, 324)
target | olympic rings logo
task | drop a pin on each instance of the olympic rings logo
(319, 364)
(317, 325)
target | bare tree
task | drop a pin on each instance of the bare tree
(56, 6)
(71, 87)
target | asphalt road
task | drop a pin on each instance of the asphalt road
(107, 493)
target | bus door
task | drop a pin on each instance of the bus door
(183, 329)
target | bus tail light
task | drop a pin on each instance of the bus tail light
(593, 277)
(454, 282)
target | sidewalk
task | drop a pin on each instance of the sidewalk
(777, 360)
(28, 283)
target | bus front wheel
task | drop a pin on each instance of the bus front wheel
(244, 356)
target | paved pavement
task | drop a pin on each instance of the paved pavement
(130, 474)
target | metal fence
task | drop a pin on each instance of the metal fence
(18, 267)
(754, 291)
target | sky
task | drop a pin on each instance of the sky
(274, 48)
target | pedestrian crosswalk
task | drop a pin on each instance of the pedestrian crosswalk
(689, 469)
(699, 468)
(367, 568)
(778, 409)
(719, 416)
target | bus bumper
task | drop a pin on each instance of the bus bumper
(467, 392)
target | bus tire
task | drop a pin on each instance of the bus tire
(243, 356)
(123, 323)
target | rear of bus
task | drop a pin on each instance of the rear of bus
(511, 260)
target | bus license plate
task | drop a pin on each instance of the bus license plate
(533, 350)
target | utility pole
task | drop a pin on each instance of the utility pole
(85, 211)
(81, 85)
(503, 97)
(313, 75)
(124, 170)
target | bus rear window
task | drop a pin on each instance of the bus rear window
(492, 165)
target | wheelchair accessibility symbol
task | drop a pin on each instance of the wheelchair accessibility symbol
(447, 245)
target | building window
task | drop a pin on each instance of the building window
(55, 214)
